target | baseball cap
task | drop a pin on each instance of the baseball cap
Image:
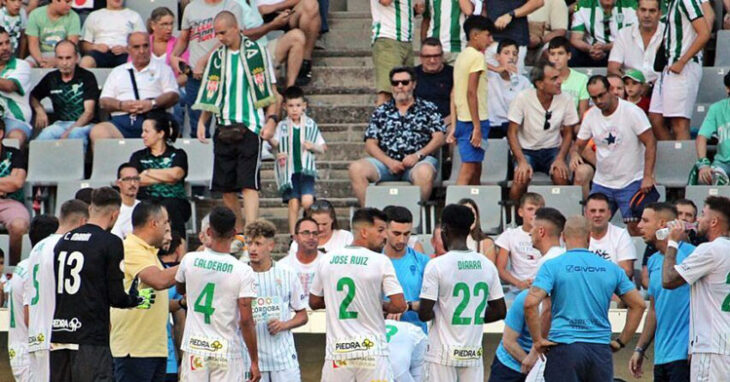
(635, 75)
(642, 199)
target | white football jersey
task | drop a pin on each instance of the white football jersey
(353, 281)
(707, 270)
(305, 272)
(214, 282)
(40, 293)
(18, 331)
(407, 344)
(461, 283)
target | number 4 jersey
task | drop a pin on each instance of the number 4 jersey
(353, 281)
(461, 283)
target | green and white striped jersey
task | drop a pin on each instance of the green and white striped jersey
(590, 18)
(679, 33)
(446, 21)
(394, 21)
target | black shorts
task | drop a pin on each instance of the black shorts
(271, 16)
(236, 166)
(89, 363)
(677, 371)
(108, 59)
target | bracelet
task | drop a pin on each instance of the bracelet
(639, 349)
(672, 244)
(621, 344)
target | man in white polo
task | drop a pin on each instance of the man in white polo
(636, 46)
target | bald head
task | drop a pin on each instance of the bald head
(577, 232)
(137, 37)
(227, 18)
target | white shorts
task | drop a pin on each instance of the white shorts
(288, 375)
(20, 364)
(357, 370)
(709, 367)
(40, 365)
(674, 95)
(196, 368)
(436, 372)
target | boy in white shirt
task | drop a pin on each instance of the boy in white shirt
(104, 36)
(503, 87)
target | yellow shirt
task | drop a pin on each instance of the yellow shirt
(470, 61)
(140, 332)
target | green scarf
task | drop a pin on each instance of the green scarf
(254, 59)
(284, 168)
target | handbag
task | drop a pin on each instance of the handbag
(660, 59)
(232, 134)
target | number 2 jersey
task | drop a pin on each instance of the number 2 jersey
(214, 282)
(461, 283)
(353, 281)
(88, 282)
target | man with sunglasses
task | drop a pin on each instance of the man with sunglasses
(128, 183)
(540, 130)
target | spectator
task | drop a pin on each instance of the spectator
(197, 36)
(715, 124)
(510, 22)
(635, 87)
(547, 233)
(104, 35)
(47, 26)
(392, 43)
(408, 263)
(616, 86)
(402, 139)
(163, 168)
(128, 182)
(304, 15)
(625, 148)
(540, 132)
(14, 92)
(573, 82)
(675, 92)
(13, 213)
(154, 87)
(545, 23)
(330, 237)
(607, 240)
(14, 19)
(297, 139)
(595, 27)
(434, 78)
(470, 89)
(636, 46)
(305, 260)
(139, 337)
(73, 92)
(503, 87)
(443, 23)
(478, 241)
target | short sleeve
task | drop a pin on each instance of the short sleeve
(180, 160)
(298, 299)
(558, 15)
(41, 90)
(516, 112)
(168, 83)
(584, 132)
(74, 25)
(571, 113)
(18, 160)
(578, 24)
(495, 286)
(641, 121)
(247, 289)
(91, 88)
(317, 286)
(710, 124)
(697, 265)
(477, 64)
(135, 160)
(21, 76)
(503, 240)
(391, 285)
(515, 318)
(185, 23)
(692, 9)
(583, 93)
(110, 85)
(545, 278)
(180, 274)
(435, 121)
(624, 284)
(136, 259)
(650, 268)
(430, 286)
(372, 131)
(89, 28)
(33, 29)
(626, 249)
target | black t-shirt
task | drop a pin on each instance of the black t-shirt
(88, 282)
(67, 97)
(11, 158)
(436, 87)
(517, 29)
(172, 157)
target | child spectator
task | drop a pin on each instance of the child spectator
(635, 86)
(503, 86)
(14, 19)
(297, 138)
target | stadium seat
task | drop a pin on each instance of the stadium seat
(487, 198)
(5, 244)
(406, 196)
(698, 115)
(565, 199)
(11, 142)
(722, 53)
(67, 190)
(50, 162)
(674, 161)
(697, 194)
(200, 161)
(712, 86)
(494, 167)
(109, 154)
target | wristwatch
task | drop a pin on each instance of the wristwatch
(154, 103)
(420, 156)
(620, 344)
(512, 13)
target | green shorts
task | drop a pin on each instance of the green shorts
(389, 54)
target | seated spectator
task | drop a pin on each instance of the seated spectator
(616, 86)
(73, 92)
(402, 138)
(163, 168)
(545, 23)
(607, 240)
(47, 26)
(304, 15)
(392, 42)
(14, 19)
(14, 92)
(715, 124)
(504, 85)
(635, 88)
(595, 27)
(155, 89)
(13, 214)
(330, 237)
(128, 182)
(540, 133)
(636, 46)
(572, 81)
(510, 22)
(103, 39)
(434, 78)
(478, 241)
(442, 22)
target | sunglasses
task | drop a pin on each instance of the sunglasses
(400, 82)
(548, 115)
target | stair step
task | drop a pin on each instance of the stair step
(339, 99)
(343, 76)
(343, 61)
(341, 113)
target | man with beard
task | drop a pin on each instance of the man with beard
(128, 183)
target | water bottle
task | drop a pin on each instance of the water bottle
(663, 233)
(514, 79)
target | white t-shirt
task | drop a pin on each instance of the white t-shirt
(340, 238)
(461, 283)
(501, 94)
(523, 257)
(527, 111)
(214, 282)
(628, 50)
(707, 270)
(17, 104)
(152, 80)
(408, 346)
(619, 152)
(552, 253)
(17, 330)
(353, 281)
(305, 272)
(40, 293)
(123, 226)
(615, 245)
(111, 27)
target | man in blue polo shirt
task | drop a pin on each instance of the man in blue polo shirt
(580, 285)
(667, 320)
(514, 357)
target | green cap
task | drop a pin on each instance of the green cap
(635, 75)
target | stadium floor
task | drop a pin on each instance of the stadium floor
(311, 359)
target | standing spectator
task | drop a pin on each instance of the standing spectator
(128, 182)
(139, 337)
(595, 27)
(636, 46)
(14, 19)
(546, 23)
(434, 78)
(402, 139)
(607, 240)
(635, 86)
(163, 168)
(104, 35)
(510, 22)
(14, 92)
(674, 95)
(625, 148)
(330, 237)
(241, 123)
(577, 351)
(442, 21)
(572, 81)
(155, 89)
(13, 214)
(47, 26)
(73, 92)
(504, 85)
(392, 42)
(478, 241)
(305, 260)
(540, 132)
(616, 86)
(715, 124)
